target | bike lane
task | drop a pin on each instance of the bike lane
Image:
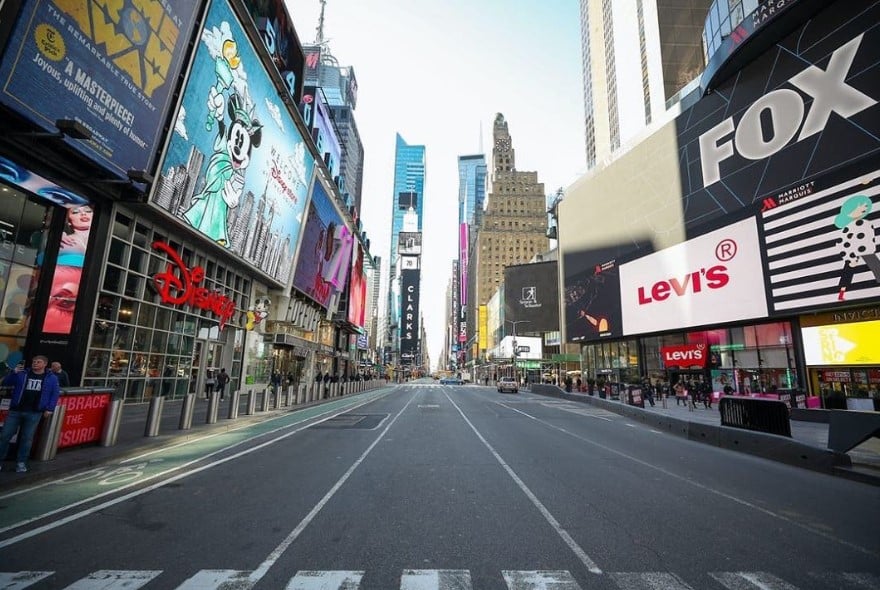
(51, 499)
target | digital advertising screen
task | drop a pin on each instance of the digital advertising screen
(409, 313)
(281, 41)
(325, 252)
(714, 278)
(110, 66)
(842, 344)
(592, 303)
(72, 251)
(409, 243)
(357, 296)
(531, 296)
(236, 168)
(822, 240)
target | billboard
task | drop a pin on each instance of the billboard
(822, 240)
(72, 250)
(531, 295)
(409, 243)
(592, 304)
(236, 169)
(111, 67)
(409, 320)
(357, 296)
(325, 252)
(842, 344)
(714, 278)
(281, 41)
(463, 265)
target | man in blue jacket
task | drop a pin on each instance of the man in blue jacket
(34, 395)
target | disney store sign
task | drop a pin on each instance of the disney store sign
(179, 285)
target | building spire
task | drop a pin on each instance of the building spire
(319, 37)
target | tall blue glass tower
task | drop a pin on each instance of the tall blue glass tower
(471, 187)
(409, 186)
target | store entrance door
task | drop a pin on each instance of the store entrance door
(206, 360)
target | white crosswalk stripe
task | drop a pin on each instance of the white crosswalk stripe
(115, 580)
(413, 579)
(21, 580)
(326, 580)
(540, 580)
(751, 581)
(648, 581)
(435, 580)
(212, 579)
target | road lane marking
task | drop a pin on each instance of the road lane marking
(435, 580)
(325, 580)
(115, 580)
(276, 553)
(135, 493)
(649, 581)
(567, 538)
(540, 580)
(751, 581)
(210, 579)
(21, 580)
(701, 486)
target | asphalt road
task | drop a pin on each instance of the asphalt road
(427, 486)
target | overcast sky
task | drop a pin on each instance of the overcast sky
(437, 72)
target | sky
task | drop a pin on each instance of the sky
(437, 72)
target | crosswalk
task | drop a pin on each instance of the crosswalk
(421, 579)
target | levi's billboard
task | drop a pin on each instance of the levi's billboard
(714, 278)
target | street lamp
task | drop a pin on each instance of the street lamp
(515, 322)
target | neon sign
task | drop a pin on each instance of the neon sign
(178, 285)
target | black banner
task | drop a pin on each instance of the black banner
(531, 295)
(409, 312)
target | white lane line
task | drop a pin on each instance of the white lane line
(133, 494)
(325, 580)
(435, 580)
(572, 544)
(21, 580)
(648, 581)
(540, 580)
(703, 487)
(276, 553)
(212, 579)
(751, 581)
(115, 580)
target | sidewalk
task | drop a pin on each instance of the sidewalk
(865, 458)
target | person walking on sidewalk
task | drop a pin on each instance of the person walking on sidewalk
(649, 390)
(34, 396)
(222, 380)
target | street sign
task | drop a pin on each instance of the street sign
(523, 349)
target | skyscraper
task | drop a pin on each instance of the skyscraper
(627, 90)
(471, 187)
(514, 227)
(472, 173)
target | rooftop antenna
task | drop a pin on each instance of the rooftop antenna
(320, 41)
(319, 37)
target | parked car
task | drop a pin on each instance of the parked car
(508, 384)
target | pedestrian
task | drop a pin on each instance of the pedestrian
(210, 382)
(276, 381)
(649, 390)
(63, 378)
(222, 380)
(34, 395)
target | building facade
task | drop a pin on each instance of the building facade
(514, 225)
(737, 243)
(627, 90)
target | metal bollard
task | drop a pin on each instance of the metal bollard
(186, 411)
(213, 406)
(234, 399)
(47, 445)
(267, 397)
(663, 399)
(251, 403)
(110, 432)
(154, 416)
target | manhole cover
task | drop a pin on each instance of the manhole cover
(353, 421)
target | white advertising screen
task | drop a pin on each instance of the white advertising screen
(714, 278)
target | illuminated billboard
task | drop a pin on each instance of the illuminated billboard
(281, 41)
(72, 249)
(842, 344)
(409, 317)
(357, 295)
(531, 296)
(236, 169)
(110, 66)
(592, 303)
(325, 252)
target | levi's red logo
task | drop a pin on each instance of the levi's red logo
(714, 277)
(684, 356)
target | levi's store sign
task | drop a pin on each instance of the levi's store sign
(179, 285)
(685, 356)
(716, 277)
